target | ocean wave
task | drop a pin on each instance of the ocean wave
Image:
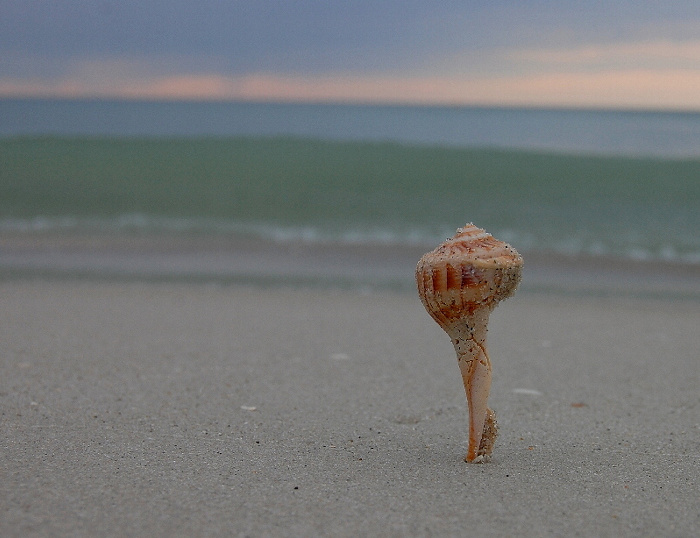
(629, 247)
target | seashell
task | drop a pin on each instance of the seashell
(460, 283)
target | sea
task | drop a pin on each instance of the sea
(598, 183)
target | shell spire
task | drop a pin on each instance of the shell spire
(460, 283)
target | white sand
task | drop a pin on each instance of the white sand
(133, 408)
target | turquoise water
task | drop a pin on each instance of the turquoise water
(291, 188)
(606, 183)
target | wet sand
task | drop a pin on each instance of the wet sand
(180, 407)
(230, 259)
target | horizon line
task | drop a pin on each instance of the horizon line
(349, 103)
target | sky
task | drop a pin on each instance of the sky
(544, 53)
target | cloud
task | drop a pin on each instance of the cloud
(660, 52)
(655, 74)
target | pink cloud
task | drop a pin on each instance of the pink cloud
(640, 88)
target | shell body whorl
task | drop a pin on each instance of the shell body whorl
(468, 271)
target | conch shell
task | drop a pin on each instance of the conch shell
(460, 283)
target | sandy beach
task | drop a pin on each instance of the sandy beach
(136, 406)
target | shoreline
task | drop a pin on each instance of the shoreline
(227, 258)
